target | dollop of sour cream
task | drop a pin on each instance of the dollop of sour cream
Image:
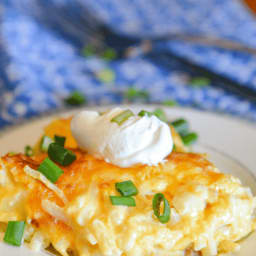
(138, 140)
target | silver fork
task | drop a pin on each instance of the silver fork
(80, 26)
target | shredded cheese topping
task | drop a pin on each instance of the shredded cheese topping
(39, 176)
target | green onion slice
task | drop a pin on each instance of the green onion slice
(189, 138)
(126, 188)
(106, 75)
(60, 140)
(123, 200)
(75, 99)
(50, 170)
(181, 126)
(14, 232)
(165, 216)
(12, 153)
(133, 94)
(88, 50)
(144, 112)
(45, 142)
(160, 114)
(122, 117)
(200, 81)
(29, 151)
(61, 155)
(109, 54)
(170, 103)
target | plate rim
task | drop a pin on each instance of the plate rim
(62, 111)
(234, 159)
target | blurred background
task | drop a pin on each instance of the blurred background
(56, 54)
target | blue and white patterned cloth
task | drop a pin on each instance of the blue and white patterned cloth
(41, 61)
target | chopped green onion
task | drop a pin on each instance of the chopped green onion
(160, 114)
(61, 155)
(60, 140)
(126, 188)
(14, 232)
(133, 93)
(50, 170)
(12, 153)
(45, 142)
(109, 54)
(75, 99)
(170, 103)
(181, 126)
(189, 138)
(28, 151)
(200, 81)
(88, 50)
(122, 117)
(174, 149)
(102, 113)
(123, 200)
(157, 199)
(106, 75)
(144, 112)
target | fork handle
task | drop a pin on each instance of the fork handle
(207, 40)
(244, 91)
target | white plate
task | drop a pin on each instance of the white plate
(231, 144)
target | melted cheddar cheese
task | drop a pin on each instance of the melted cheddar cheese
(210, 211)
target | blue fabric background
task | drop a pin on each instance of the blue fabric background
(41, 60)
